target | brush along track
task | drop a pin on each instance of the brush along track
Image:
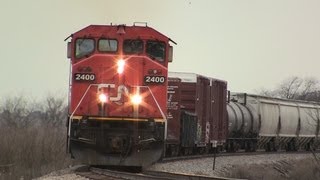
(99, 174)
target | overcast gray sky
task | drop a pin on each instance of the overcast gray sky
(249, 43)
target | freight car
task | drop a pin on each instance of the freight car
(197, 119)
(118, 90)
(200, 120)
(258, 122)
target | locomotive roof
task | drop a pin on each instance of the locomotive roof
(143, 31)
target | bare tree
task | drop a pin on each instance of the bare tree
(55, 109)
(290, 88)
(296, 88)
(14, 111)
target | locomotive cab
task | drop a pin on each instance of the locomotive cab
(118, 90)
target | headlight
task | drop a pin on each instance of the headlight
(121, 64)
(102, 98)
(136, 99)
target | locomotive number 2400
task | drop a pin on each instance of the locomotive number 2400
(84, 77)
(154, 79)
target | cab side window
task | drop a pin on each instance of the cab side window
(133, 46)
(156, 50)
(108, 45)
(84, 47)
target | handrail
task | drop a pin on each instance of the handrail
(72, 114)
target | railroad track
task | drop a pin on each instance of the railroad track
(95, 173)
(240, 153)
(105, 174)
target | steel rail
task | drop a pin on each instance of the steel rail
(97, 173)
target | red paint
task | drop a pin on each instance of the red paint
(104, 66)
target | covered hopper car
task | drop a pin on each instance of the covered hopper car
(259, 122)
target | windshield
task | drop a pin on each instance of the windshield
(156, 50)
(132, 46)
(108, 45)
(84, 47)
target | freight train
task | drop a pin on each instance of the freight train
(125, 109)
(202, 118)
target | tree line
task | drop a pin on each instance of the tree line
(307, 89)
(32, 136)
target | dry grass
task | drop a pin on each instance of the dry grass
(33, 151)
(32, 140)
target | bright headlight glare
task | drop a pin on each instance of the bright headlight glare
(136, 99)
(103, 98)
(121, 64)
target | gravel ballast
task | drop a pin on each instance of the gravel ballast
(257, 166)
(269, 166)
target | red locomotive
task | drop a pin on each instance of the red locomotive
(118, 94)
